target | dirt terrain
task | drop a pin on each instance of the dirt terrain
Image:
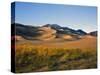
(87, 42)
(57, 54)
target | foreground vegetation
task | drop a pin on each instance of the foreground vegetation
(30, 58)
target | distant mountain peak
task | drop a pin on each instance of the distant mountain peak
(54, 26)
(94, 33)
(48, 32)
(81, 32)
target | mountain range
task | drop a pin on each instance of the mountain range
(48, 32)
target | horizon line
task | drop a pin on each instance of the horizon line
(51, 24)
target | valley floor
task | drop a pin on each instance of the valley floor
(34, 56)
(89, 43)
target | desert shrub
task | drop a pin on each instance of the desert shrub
(31, 58)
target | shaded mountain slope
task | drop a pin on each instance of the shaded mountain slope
(94, 33)
(48, 32)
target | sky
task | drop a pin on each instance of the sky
(73, 16)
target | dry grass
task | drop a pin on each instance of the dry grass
(30, 58)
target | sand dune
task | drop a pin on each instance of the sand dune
(87, 42)
(19, 38)
(46, 33)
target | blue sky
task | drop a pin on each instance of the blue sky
(76, 17)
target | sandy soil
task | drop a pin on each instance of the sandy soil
(86, 42)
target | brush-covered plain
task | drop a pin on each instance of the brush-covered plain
(30, 58)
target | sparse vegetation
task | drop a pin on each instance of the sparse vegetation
(52, 47)
(30, 58)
